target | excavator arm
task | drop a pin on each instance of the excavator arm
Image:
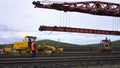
(90, 7)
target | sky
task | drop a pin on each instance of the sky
(19, 18)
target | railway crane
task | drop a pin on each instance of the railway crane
(90, 7)
(78, 30)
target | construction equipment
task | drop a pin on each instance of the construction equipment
(90, 7)
(78, 30)
(106, 45)
(7, 49)
(24, 46)
(47, 49)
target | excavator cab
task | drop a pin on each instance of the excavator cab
(106, 45)
(29, 39)
(25, 45)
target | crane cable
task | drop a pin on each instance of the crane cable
(114, 23)
(60, 20)
(64, 19)
(46, 32)
(63, 16)
(68, 19)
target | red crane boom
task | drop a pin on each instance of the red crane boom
(78, 30)
(90, 7)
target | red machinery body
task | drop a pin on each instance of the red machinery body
(78, 30)
(90, 7)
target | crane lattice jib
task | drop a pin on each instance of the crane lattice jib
(90, 7)
(78, 30)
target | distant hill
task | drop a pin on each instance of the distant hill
(114, 43)
(1, 46)
(62, 44)
(48, 42)
(6, 45)
(54, 43)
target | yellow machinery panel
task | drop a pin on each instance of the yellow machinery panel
(48, 52)
(106, 45)
(60, 50)
(7, 49)
(47, 49)
(106, 48)
(20, 45)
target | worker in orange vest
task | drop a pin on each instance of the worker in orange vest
(33, 48)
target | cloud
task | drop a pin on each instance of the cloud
(5, 28)
(20, 18)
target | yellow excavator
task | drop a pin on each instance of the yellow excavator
(24, 46)
(47, 49)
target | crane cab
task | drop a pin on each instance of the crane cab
(106, 45)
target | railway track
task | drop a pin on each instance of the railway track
(61, 61)
(88, 49)
(66, 54)
(57, 59)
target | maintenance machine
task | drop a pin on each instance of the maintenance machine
(24, 46)
(106, 45)
(48, 49)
